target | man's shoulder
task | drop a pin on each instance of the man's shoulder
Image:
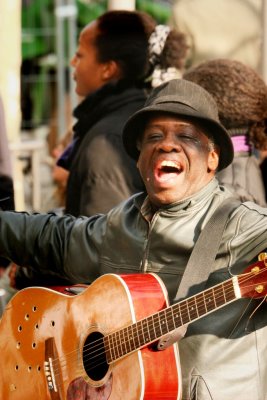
(250, 205)
(132, 204)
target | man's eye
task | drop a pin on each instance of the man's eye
(154, 136)
(188, 138)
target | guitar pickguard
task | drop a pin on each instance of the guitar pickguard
(79, 389)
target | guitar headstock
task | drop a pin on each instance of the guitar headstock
(253, 281)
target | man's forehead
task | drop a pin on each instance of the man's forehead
(165, 119)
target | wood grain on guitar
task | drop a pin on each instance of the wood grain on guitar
(100, 344)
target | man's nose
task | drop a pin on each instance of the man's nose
(169, 144)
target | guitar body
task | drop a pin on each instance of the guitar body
(41, 325)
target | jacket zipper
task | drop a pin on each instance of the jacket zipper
(145, 256)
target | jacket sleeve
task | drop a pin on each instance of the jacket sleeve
(63, 246)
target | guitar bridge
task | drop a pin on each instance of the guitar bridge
(49, 366)
(49, 373)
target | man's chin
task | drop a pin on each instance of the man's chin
(165, 198)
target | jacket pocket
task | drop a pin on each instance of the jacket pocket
(199, 389)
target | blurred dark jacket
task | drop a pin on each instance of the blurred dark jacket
(101, 173)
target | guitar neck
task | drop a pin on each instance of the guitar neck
(150, 329)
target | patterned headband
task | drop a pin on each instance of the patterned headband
(157, 42)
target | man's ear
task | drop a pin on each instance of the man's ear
(213, 159)
(111, 70)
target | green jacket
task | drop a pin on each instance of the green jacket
(223, 354)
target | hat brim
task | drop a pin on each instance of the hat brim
(135, 125)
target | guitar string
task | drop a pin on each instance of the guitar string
(81, 371)
(98, 344)
(124, 343)
(169, 319)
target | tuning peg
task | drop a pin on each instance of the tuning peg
(262, 256)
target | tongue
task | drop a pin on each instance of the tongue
(165, 176)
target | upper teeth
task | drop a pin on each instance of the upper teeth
(169, 164)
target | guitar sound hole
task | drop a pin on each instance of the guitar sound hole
(94, 356)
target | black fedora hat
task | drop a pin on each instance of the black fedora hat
(186, 99)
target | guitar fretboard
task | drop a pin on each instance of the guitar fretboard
(146, 331)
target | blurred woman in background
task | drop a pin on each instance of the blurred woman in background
(241, 96)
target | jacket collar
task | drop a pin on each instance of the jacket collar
(143, 203)
(103, 101)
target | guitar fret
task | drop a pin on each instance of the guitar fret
(140, 333)
(120, 350)
(204, 302)
(113, 346)
(187, 309)
(117, 344)
(173, 317)
(201, 305)
(214, 298)
(122, 342)
(126, 341)
(219, 298)
(170, 321)
(144, 332)
(196, 305)
(177, 315)
(184, 312)
(192, 310)
(147, 332)
(131, 339)
(157, 325)
(224, 295)
(209, 300)
(163, 325)
(230, 293)
(108, 348)
(135, 336)
(152, 331)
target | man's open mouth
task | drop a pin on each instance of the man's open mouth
(168, 170)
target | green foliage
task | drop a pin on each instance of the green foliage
(38, 25)
(39, 22)
(88, 12)
(158, 10)
(39, 41)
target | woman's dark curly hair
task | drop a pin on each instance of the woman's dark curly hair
(175, 50)
(240, 93)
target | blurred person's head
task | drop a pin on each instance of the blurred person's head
(167, 54)
(241, 96)
(111, 48)
(125, 45)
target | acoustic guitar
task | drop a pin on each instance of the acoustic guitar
(101, 343)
